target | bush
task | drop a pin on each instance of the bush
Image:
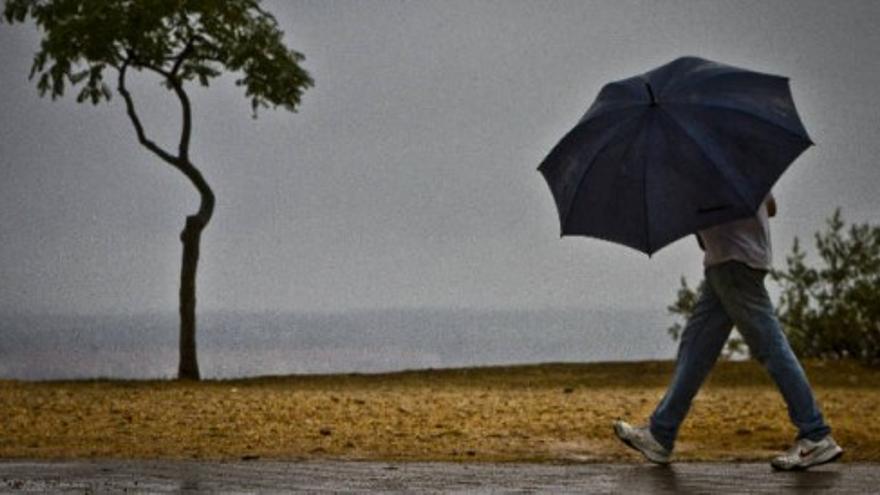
(831, 310)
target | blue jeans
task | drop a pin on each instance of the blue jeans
(734, 294)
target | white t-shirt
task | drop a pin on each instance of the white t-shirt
(746, 240)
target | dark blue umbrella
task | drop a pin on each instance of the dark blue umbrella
(688, 145)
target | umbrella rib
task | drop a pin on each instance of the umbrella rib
(728, 70)
(645, 196)
(683, 81)
(709, 158)
(580, 182)
(609, 108)
(739, 110)
(590, 166)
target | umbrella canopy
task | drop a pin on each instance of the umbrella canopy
(688, 145)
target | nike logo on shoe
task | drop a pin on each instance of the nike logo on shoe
(805, 453)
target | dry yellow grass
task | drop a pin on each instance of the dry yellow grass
(549, 412)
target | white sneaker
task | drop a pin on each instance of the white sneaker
(806, 453)
(640, 438)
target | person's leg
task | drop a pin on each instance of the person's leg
(742, 293)
(701, 343)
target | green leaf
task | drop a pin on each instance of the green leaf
(193, 35)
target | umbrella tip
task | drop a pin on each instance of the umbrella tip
(651, 94)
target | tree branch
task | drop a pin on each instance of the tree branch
(256, 6)
(177, 85)
(180, 162)
(138, 127)
(178, 60)
(186, 129)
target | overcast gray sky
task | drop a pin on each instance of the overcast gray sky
(408, 178)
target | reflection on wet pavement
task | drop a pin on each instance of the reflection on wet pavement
(355, 476)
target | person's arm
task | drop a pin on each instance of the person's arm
(771, 205)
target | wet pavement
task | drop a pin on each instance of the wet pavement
(155, 476)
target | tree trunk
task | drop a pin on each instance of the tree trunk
(192, 231)
(190, 237)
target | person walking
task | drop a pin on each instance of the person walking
(737, 258)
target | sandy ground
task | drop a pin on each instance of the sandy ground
(535, 413)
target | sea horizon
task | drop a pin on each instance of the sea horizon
(240, 344)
